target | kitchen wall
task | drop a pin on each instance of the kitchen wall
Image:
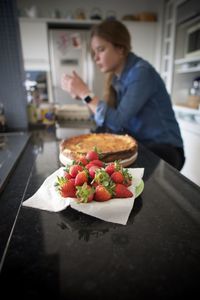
(146, 36)
(11, 74)
(12, 91)
(70, 7)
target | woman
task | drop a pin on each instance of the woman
(136, 101)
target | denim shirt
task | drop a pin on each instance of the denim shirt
(143, 108)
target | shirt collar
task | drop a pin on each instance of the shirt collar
(130, 62)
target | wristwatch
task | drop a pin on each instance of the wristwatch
(87, 99)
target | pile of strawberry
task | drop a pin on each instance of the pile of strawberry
(89, 178)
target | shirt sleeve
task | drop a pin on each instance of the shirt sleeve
(138, 92)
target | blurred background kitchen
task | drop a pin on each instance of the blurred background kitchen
(42, 39)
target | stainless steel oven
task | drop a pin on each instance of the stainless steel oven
(192, 45)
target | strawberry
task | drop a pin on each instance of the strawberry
(98, 163)
(81, 178)
(85, 193)
(94, 184)
(66, 187)
(92, 171)
(110, 168)
(73, 181)
(127, 182)
(92, 155)
(102, 193)
(127, 177)
(101, 177)
(74, 169)
(67, 175)
(82, 161)
(89, 165)
(89, 179)
(117, 177)
(121, 191)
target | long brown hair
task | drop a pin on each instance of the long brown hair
(117, 34)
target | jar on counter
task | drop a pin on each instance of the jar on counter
(195, 90)
(32, 113)
(47, 113)
(194, 94)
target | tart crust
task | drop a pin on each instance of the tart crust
(111, 146)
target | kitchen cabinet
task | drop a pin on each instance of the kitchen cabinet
(179, 70)
(168, 41)
(34, 38)
(186, 66)
(186, 69)
(191, 136)
(189, 123)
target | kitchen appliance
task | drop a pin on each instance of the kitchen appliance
(36, 86)
(187, 10)
(38, 107)
(69, 50)
(192, 47)
(12, 145)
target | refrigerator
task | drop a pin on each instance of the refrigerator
(69, 50)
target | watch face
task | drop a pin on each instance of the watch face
(87, 99)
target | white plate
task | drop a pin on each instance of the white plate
(125, 162)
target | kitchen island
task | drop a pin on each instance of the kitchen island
(69, 255)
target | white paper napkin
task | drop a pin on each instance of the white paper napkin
(115, 210)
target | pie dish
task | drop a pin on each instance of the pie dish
(111, 146)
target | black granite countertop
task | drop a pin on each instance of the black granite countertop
(69, 255)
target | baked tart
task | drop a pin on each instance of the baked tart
(111, 146)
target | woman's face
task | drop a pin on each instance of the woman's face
(107, 57)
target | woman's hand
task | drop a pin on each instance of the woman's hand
(74, 85)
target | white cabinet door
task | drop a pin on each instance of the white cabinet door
(145, 41)
(34, 44)
(191, 138)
